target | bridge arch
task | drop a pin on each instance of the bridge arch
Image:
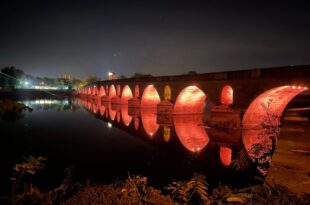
(167, 92)
(95, 90)
(126, 94)
(261, 123)
(227, 95)
(191, 100)
(101, 92)
(150, 97)
(112, 92)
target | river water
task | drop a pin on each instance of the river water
(103, 142)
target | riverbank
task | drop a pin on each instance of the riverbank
(290, 165)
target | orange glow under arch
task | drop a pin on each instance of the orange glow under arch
(149, 121)
(126, 95)
(192, 136)
(190, 101)
(150, 97)
(227, 96)
(102, 91)
(112, 92)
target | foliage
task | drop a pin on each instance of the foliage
(11, 110)
(241, 162)
(194, 190)
(13, 80)
(133, 190)
(22, 188)
(24, 192)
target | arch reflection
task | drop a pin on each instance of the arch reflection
(112, 113)
(102, 110)
(125, 116)
(149, 121)
(225, 155)
(190, 132)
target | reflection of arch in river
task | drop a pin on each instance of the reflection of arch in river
(190, 132)
(112, 113)
(95, 108)
(261, 123)
(148, 118)
(125, 116)
(102, 110)
(225, 155)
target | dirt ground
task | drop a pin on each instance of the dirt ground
(291, 161)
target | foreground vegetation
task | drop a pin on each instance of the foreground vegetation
(135, 190)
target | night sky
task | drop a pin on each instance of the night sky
(48, 38)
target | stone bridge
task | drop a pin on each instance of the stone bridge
(251, 94)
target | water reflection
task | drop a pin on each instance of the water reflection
(53, 104)
(188, 131)
(148, 118)
(125, 116)
(112, 113)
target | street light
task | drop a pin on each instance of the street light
(111, 75)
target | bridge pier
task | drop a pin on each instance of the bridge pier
(165, 108)
(116, 100)
(134, 102)
(105, 98)
(116, 107)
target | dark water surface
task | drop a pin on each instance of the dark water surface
(103, 143)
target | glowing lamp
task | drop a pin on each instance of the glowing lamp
(109, 125)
